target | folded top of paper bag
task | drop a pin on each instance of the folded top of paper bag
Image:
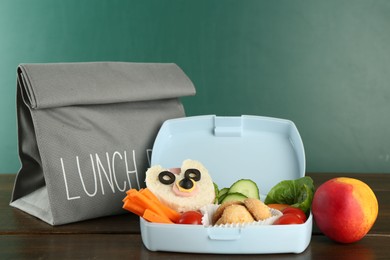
(66, 84)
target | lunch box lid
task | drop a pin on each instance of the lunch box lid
(264, 149)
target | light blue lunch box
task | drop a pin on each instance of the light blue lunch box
(263, 149)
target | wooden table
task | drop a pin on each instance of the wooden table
(23, 236)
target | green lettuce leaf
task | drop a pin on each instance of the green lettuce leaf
(297, 193)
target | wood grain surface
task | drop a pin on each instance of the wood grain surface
(25, 237)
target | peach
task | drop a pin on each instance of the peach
(344, 209)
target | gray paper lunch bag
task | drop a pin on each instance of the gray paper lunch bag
(85, 132)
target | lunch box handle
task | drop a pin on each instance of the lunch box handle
(224, 233)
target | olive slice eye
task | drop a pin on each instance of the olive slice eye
(192, 174)
(166, 177)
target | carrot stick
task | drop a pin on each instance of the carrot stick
(133, 207)
(150, 195)
(169, 212)
(147, 204)
(144, 200)
(131, 191)
(156, 218)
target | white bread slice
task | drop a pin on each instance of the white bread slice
(165, 194)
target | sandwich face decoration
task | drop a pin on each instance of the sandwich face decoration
(182, 189)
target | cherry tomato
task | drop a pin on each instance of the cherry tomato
(190, 217)
(287, 219)
(295, 211)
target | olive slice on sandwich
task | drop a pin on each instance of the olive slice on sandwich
(192, 174)
(166, 177)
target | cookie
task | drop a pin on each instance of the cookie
(233, 214)
(218, 213)
(257, 208)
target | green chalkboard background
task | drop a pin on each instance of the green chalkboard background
(323, 64)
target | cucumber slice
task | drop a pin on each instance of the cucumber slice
(236, 196)
(246, 187)
(222, 194)
(216, 191)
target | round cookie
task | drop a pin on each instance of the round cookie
(218, 213)
(235, 214)
(257, 208)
